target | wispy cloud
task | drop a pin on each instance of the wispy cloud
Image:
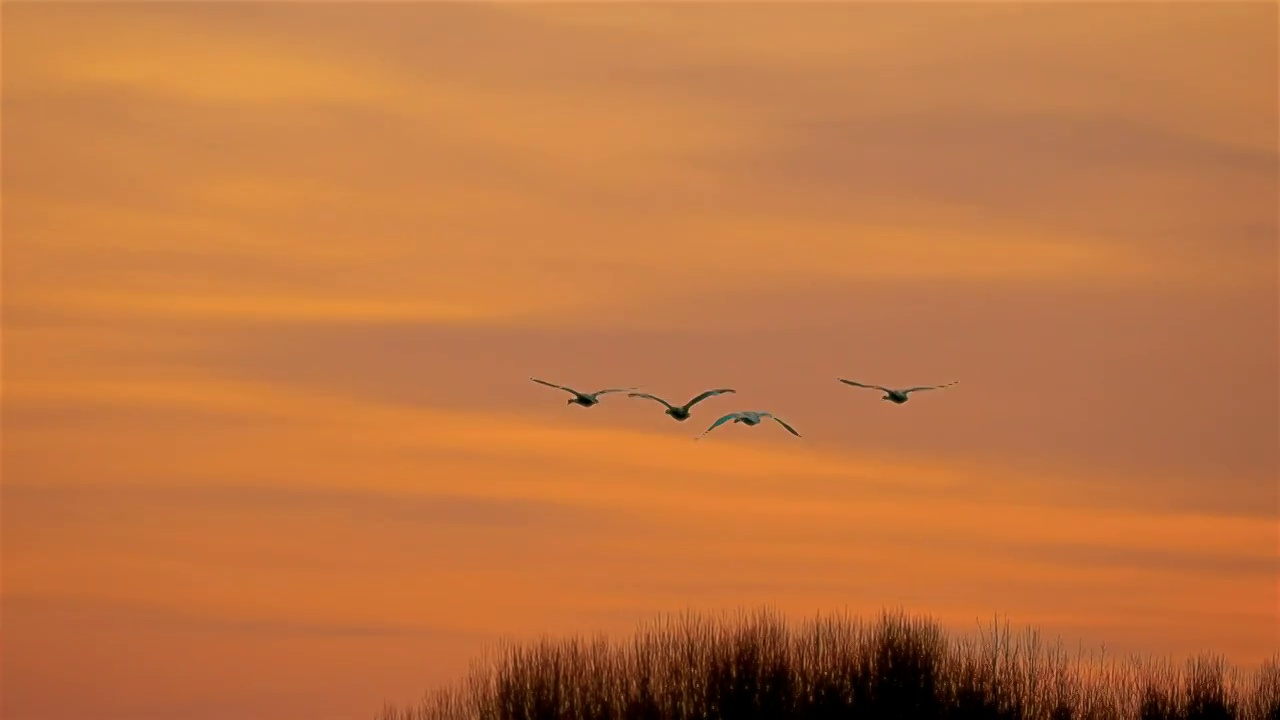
(140, 612)
(775, 152)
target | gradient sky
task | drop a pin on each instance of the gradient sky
(275, 277)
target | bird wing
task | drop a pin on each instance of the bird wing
(611, 390)
(720, 422)
(858, 384)
(928, 387)
(707, 394)
(558, 387)
(783, 424)
(651, 397)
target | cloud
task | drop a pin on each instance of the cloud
(368, 505)
(1185, 67)
(1127, 161)
(403, 434)
(288, 307)
(704, 166)
(135, 613)
(1038, 371)
(1186, 561)
(1117, 180)
(511, 147)
(207, 67)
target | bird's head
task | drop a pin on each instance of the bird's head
(570, 401)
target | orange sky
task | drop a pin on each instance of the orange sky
(276, 276)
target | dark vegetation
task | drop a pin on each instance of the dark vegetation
(758, 667)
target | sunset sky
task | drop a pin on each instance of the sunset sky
(276, 275)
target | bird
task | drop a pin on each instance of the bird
(896, 396)
(681, 412)
(748, 417)
(583, 399)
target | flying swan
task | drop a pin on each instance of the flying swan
(748, 417)
(583, 399)
(896, 396)
(681, 412)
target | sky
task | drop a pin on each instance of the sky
(276, 275)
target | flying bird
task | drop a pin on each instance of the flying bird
(681, 412)
(583, 399)
(748, 417)
(896, 396)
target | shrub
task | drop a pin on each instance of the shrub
(756, 666)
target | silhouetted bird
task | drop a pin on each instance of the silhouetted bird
(896, 396)
(583, 399)
(681, 412)
(748, 417)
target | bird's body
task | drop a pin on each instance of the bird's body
(748, 418)
(580, 398)
(680, 413)
(896, 397)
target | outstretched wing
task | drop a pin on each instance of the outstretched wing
(611, 390)
(707, 394)
(558, 387)
(651, 397)
(928, 387)
(858, 384)
(720, 422)
(788, 427)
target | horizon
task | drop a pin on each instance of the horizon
(277, 275)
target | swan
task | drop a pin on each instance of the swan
(748, 417)
(583, 399)
(681, 412)
(896, 396)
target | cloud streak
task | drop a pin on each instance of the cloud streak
(131, 612)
